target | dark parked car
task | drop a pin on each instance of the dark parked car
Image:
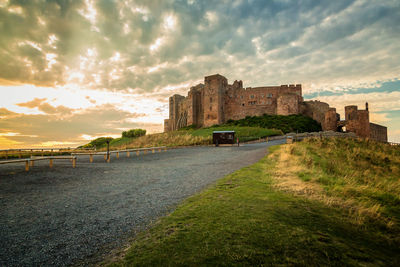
(223, 137)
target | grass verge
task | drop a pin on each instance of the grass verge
(248, 218)
(362, 177)
(189, 137)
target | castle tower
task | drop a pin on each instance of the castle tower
(350, 112)
(174, 103)
(330, 123)
(213, 102)
(357, 121)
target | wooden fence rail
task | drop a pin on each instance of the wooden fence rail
(117, 152)
(35, 151)
(29, 162)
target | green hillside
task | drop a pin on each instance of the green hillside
(184, 137)
(329, 202)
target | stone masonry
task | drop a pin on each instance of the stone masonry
(216, 102)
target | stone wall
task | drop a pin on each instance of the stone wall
(330, 122)
(175, 111)
(315, 109)
(212, 100)
(287, 104)
(357, 121)
(378, 132)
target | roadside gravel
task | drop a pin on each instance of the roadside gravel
(64, 216)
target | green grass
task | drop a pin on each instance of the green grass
(189, 137)
(364, 173)
(121, 141)
(245, 220)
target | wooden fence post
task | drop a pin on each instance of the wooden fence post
(27, 165)
(32, 163)
(127, 154)
(51, 163)
(117, 155)
(73, 162)
(91, 158)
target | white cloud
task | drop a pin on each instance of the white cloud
(126, 51)
(377, 101)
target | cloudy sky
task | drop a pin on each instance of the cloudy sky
(71, 71)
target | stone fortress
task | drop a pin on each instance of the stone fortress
(216, 101)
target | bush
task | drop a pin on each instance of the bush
(134, 133)
(291, 123)
(98, 142)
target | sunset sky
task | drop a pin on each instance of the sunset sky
(71, 71)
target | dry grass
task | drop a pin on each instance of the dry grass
(287, 178)
(190, 137)
(171, 139)
(362, 177)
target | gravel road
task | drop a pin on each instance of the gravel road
(64, 216)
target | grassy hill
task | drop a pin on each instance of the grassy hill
(317, 202)
(188, 136)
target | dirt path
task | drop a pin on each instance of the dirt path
(63, 216)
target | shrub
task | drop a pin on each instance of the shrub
(99, 142)
(291, 123)
(134, 133)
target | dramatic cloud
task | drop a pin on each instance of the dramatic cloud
(105, 120)
(144, 45)
(41, 105)
(153, 49)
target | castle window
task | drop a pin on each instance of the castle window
(243, 104)
(241, 97)
(210, 108)
(269, 95)
(210, 99)
(252, 96)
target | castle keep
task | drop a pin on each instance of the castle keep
(216, 101)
